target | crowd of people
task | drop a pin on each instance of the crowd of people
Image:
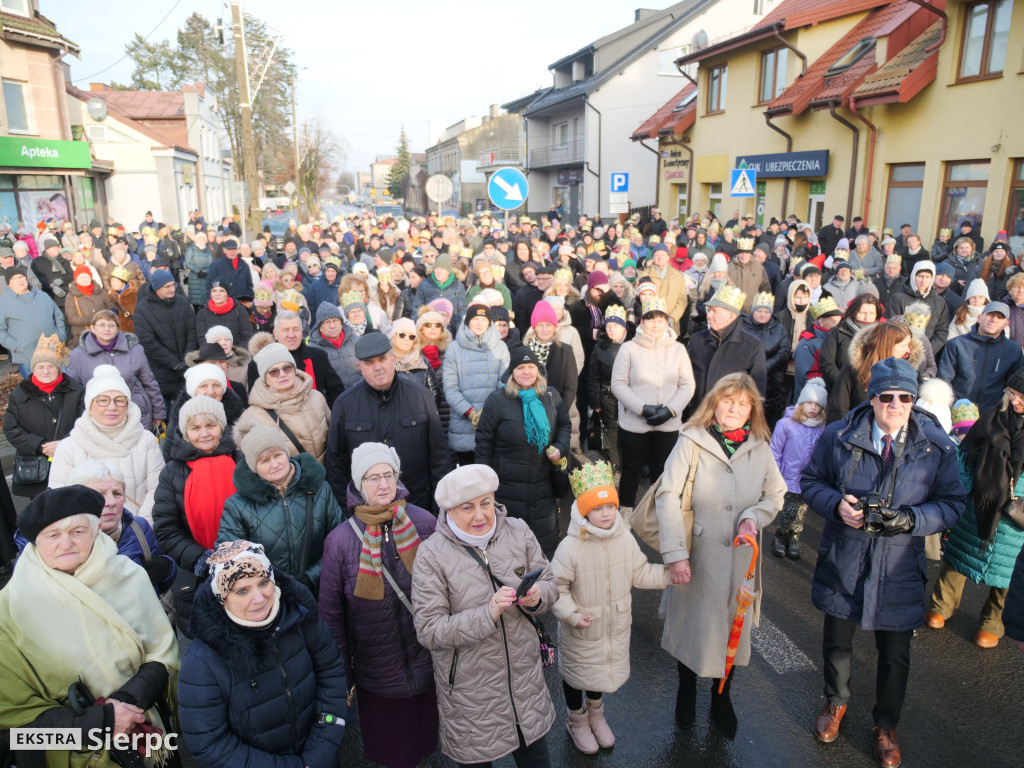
(355, 472)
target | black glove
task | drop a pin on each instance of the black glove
(181, 367)
(897, 521)
(649, 410)
(158, 569)
(201, 567)
(201, 273)
(660, 416)
(145, 686)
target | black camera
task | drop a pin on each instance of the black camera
(871, 505)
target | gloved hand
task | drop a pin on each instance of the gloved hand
(660, 416)
(474, 417)
(60, 293)
(181, 367)
(56, 281)
(897, 521)
(201, 567)
(201, 273)
(649, 410)
(158, 569)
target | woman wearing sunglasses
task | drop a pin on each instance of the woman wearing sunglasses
(434, 337)
(409, 360)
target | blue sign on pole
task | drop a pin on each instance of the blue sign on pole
(620, 182)
(508, 188)
(742, 182)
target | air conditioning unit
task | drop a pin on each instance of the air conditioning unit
(96, 134)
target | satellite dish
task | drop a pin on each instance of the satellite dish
(439, 188)
(700, 40)
(97, 109)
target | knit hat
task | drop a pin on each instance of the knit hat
(429, 317)
(444, 261)
(259, 439)
(964, 414)
(718, 263)
(945, 268)
(814, 392)
(763, 300)
(478, 310)
(368, 455)
(916, 317)
(211, 352)
(596, 279)
(843, 244)
(645, 284)
(892, 375)
(327, 311)
(443, 306)
(498, 315)
(197, 374)
(522, 355)
(543, 313)
(158, 278)
(215, 332)
(105, 378)
(201, 405)
(48, 350)
(936, 397)
(406, 325)
(825, 307)
(593, 485)
(372, 344)
(615, 313)
(271, 355)
(659, 247)
(728, 297)
(1016, 380)
(55, 505)
(465, 483)
(1000, 245)
(977, 287)
(558, 302)
(233, 561)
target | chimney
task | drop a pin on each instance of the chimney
(643, 13)
(99, 87)
(495, 111)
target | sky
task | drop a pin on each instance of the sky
(370, 68)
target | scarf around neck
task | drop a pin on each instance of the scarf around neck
(540, 348)
(370, 578)
(535, 419)
(433, 354)
(48, 388)
(731, 440)
(208, 486)
(221, 309)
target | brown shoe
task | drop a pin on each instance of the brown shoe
(934, 620)
(985, 639)
(887, 747)
(826, 726)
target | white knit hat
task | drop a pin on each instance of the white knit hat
(197, 374)
(218, 331)
(370, 454)
(106, 378)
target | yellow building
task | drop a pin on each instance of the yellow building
(903, 112)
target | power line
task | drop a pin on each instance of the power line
(128, 53)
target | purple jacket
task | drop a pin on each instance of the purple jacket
(129, 358)
(377, 638)
(792, 445)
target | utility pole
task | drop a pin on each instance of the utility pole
(295, 142)
(248, 143)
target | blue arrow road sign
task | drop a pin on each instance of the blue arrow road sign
(620, 182)
(742, 182)
(508, 188)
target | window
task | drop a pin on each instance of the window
(773, 74)
(667, 61)
(983, 46)
(963, 194)
(17, 112)
(15, 6)
(903, 195)
(716, 89)
(1015, 210)
(561, 136)
(715, 199)
(681, 208)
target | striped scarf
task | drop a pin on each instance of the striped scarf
(370, 578)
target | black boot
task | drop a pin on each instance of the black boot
(779, 543)
(686, 697)
(793, 548)
(722, 714)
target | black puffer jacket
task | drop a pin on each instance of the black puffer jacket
(233, 409)
(776, 356)
(601, 363)
(167, 331)
(525, 473)
(237, 320)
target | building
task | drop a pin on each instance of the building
(578, 130)
(414, 192)
(901, 112)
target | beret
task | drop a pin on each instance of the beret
(465, 483)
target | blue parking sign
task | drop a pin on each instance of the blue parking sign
(620, 182)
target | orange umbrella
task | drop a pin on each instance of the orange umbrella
(744, 597)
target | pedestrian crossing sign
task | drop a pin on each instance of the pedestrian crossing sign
(742, 182)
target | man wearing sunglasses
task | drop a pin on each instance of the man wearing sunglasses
(883, 478)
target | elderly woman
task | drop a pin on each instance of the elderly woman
(523, 435)
(85, 298)
(736, 489)
(865, 257)
(329, 335)
(466, 614)
(263, 684)
(40, 413)
(110, 429)
(366, 605)
(282, 503)
(205, 379)
(238, 359)
(409, 360)
(105, 344)
(70, 589)
(283, 397)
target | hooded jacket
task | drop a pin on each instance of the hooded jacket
(128, 357)
(835, 349)
(471, 371)
(715, 355)
(938, 326)
(843, 294)
(26, 317)
(792, 445)
(650, 371)
(978, 367)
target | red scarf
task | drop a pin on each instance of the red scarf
(48, 388)
(86, 289)
(208, 486)
(221, 309)
(433, 355)
(308, 367)
(336, 342)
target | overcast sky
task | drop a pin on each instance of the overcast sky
(371, 67)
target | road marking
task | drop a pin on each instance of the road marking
(777, 649)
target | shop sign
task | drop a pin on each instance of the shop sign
(40, 153)
(786, 164)
(571, 176)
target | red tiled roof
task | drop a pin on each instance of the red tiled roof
(146, 104)
(800, 13)
(906, 73)
(162, 139)
(666, 116)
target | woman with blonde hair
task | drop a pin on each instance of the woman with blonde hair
(409, 360)
(433, 338)
(562, 286)
(485, 279)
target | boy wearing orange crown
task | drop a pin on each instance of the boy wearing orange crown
(596, 566)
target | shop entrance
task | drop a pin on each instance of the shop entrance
(816, 205)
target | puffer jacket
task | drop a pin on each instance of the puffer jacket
(526, 473)
(880, 582)
(197, 264)
(602, 362)
(595, 570)
(167, 331)
(129, 358)
(303, 410)
(377, 638)
(978, 367)
(792, 445)
(776, 353)
(938, 325)
(455, 292)
(488, 674)
(236, 320)
(320, 291)
(651, 371)
(258, 512)
(472, 367)
(252, 697)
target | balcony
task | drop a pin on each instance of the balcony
(496, 156)
(560, 154)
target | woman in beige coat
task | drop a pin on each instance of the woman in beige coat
(283, 397)
(737, 489)
(491, 695)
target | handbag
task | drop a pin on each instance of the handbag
(1014, 509)
(644, 517)
(32, 470)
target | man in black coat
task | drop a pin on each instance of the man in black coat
(830, 235)
(724, 347)
(309, 360)
(166, 327)
(232, 273)
(391, 409)
(526, 298)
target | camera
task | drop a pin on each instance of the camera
(871, 506)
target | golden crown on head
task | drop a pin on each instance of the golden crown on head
(765, 299)
(332, 261)
(614, 310)
(825, 305)
(384, 275)
(729, 297)
(840, 254)
(563, 274)
(121, 274)
(291, 297)
(917, 315)
(655, 305)
(262, 295)
(351, 297)
(745, 243)
(591, 476)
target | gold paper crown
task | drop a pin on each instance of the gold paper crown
(615, 310)
(121, 274)
(383, 275)
(291, 300)
(113, 231)
(917, 315)
(894, 258)
(590, 477)
(766, 299)
(887, 231)
(653, 240)
(745, 244)
(351, 297)
(840, 254)
(262, 295)
(49, 349)
(599, 246)
(824, 306)
(655, 305)
(332, 261)
(148, 231)
(946, 231)
(563, 274)
(728, 297)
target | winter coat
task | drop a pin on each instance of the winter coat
(236, 320)
(377, 638)
(79, 308)
(472, 367)
(651, 372)
(488, 674)
(455, 292)
(938, 325)
(233, 410)
(879, 582)
(54, 274)
(170, 518)
(26, 317)
(406, 418)
(714, 355)
(979, 367)
(413, 299)
(167, 330)
(253, 697)
(776, 352)
(526, 474)
(197, 264)
(888, 288)
(235, 278)
(726, 491)
(302, 409)
(258, 512)
(871, 264)
(124, 304)
(941, 251)
(843, 294)
(602, 363)
(134, 450)
(595, 570)
(569, 337)
(416, 368)
(136, 279)
(129, 358)
(792, 444)
(1015, 330)
(342, 358)
(749, 278)
(673, 289)
(579, 317)
(806, 357)
(560, 371)
(237, 373)
(309, 360)
(523, 302)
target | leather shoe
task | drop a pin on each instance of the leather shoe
(985, 639)
(887, 747)
(934, 620)
(826, 726)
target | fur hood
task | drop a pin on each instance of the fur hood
(309, 477)
(867, 335)
(259, 341)
(66, 384)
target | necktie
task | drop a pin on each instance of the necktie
(887, 454)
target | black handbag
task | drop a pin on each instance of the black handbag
(33, 470)
(560, 479)
(1014, 509)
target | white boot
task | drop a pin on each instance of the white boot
(598, 725)
(579, 729)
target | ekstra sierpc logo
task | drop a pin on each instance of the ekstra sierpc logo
(95, 739)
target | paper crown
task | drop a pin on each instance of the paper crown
(384, 275)
(840, 254)
(745, 244)
(262, 296)
(616, 311)
(351, 297)
(945, 232)
(894, 258)
(332, 261)
(563, 274)
(763, 300)
(291, 300)
(728, 297)
(121, 274)
(599, 246)
(113, 231)
(48, 349)
(917, 315)
(653, 240)
(593, 485)
(964, 413)
(887, 231)
(148, 231)
(654, 305)
(826, 306)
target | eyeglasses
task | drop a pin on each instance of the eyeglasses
(405, 335)
(432, 325)
(275, 372)
(1015, 397)
(104, 400)
(387, 477)
(886, 398)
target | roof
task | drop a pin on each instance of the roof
(519, 104)
(161, 139)
(905, 74)
(37, 30)
(145, 104)
(671, 117)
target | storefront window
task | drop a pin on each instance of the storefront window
(682, 209)
(963, 194)
(1015, 210)
(903, 197)
(41, 182)
(85, 197)
(9, 209)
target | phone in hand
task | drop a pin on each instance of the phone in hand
(528, 581)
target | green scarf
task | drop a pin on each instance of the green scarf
(446, 283)
(732, 440)
(535, 419)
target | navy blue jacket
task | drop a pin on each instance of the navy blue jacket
(236, 279)
(318, 291)
(977, 367)
(251, 697)
(880, 582)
